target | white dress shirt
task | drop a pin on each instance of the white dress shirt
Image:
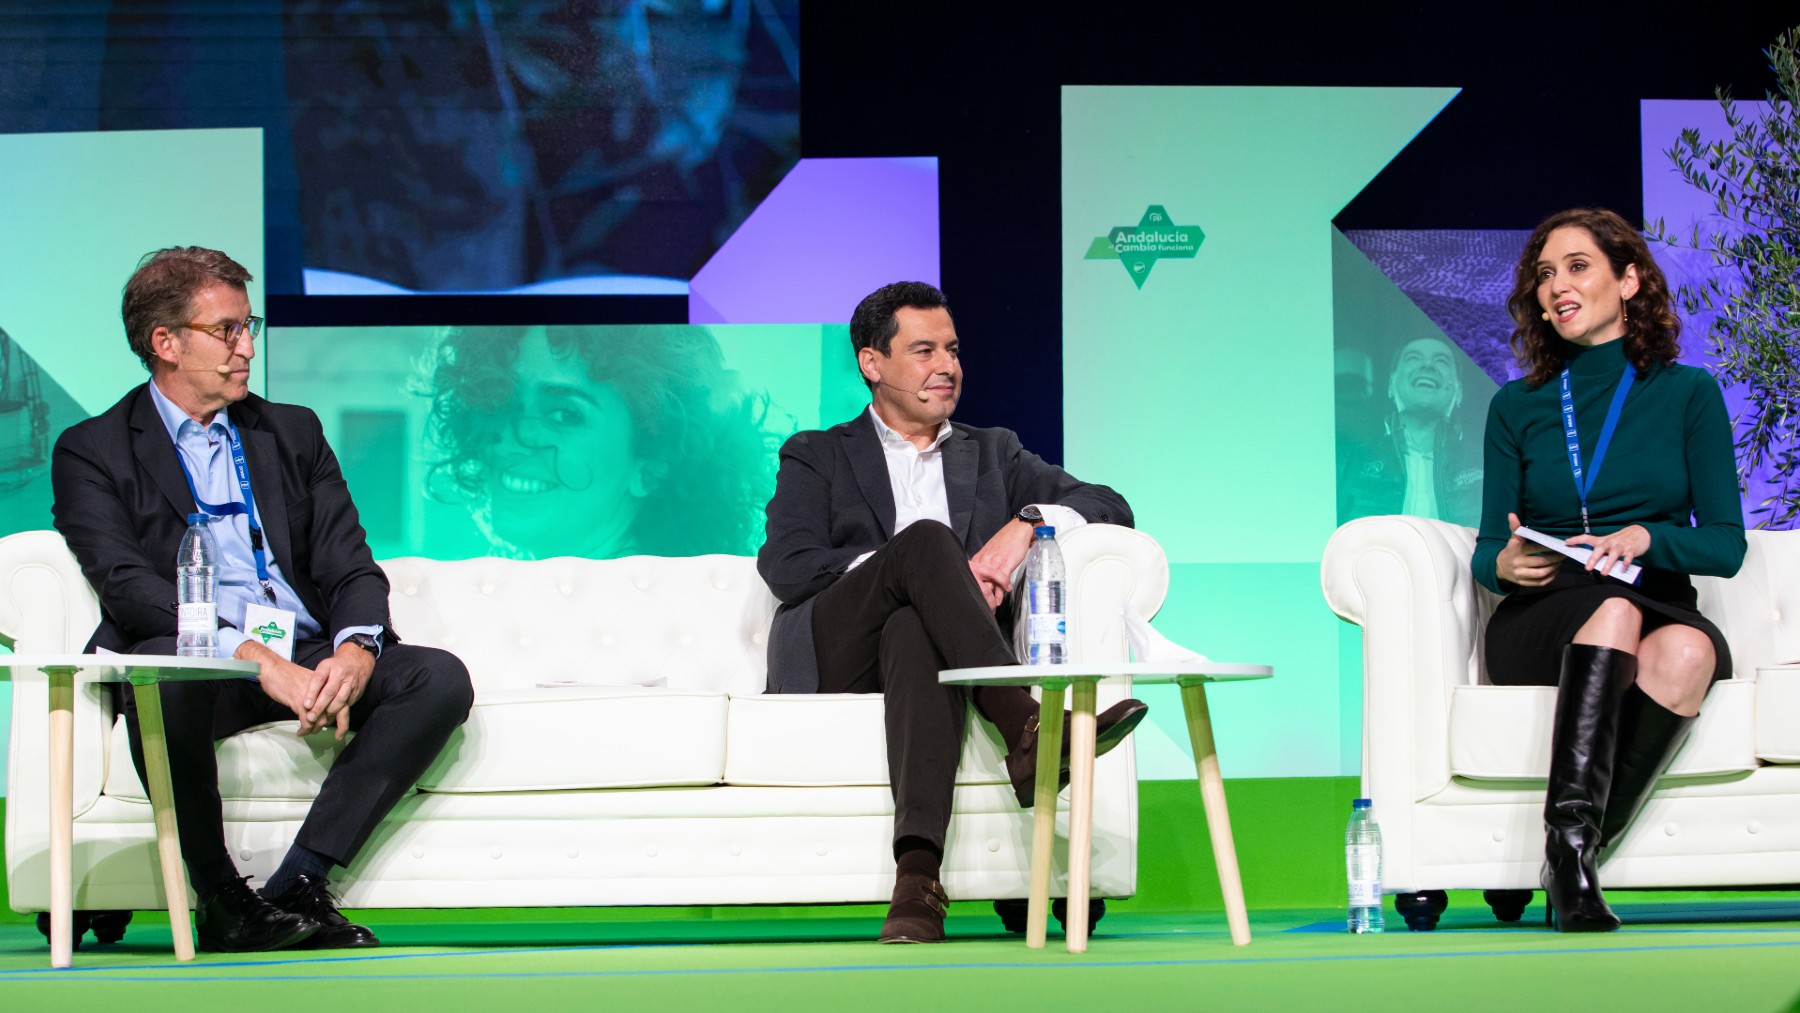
(917, 480)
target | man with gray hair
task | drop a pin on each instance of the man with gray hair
(195, 441)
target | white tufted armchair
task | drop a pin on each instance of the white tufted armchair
(659, 775)
(1456, 767)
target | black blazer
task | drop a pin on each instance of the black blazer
(122, 505)
(833, 502)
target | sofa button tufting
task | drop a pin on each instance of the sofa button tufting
(1671, 829)
(524, 641)
(641, 584)
(418, 852)
(1754, 827)
(493, 852)
(487, 589)
(736, 850)
(759, 638)
(565, 590)
(409, 591)
(608, 639)
(650, 852)
(245, 855)
(685, 640)
(1499, 834)
(574, 851)
(821, 850)
(993, 845)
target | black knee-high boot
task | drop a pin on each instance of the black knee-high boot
(1582, 744)
(1649, 736)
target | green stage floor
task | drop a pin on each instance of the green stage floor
(1686, 955)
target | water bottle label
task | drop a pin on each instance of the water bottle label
(1365, 893)
(196, 617)
(1047, 629)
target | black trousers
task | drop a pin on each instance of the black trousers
(889, 626)
(415, 699)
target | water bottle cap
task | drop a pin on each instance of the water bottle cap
(196, 519)
(1043, 531)
(1361, 803)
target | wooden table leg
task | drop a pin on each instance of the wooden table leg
(1043, 820)
(162, 805)
(1218, 821)
(62, 815)
(1081, 813)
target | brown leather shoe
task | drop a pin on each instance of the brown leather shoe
(916, 913)
(1110, 728)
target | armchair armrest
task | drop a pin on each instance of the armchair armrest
(1406, 582)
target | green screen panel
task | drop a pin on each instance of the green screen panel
(77, 212)
(1198, 375)
(596, 441)
(1250, 613)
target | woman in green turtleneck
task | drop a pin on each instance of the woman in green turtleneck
(1632, 662)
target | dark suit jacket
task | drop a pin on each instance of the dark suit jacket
(122, 505)
(833, 502)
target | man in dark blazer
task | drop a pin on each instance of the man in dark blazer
(195, 441)
(892, 539)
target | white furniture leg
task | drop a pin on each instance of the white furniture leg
(162, 805)
(62, 815)
(1218, 821)
(1081, 813)
(1043, 820)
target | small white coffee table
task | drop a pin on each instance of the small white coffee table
(1085, 677)
(144, 673)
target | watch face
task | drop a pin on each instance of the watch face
(1031, 515)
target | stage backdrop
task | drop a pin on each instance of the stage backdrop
(76, 213)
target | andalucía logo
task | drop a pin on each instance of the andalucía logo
(1139, 247)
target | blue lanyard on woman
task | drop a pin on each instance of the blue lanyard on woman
(1583, 487)
(247, 508)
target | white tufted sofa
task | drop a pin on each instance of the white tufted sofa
(667, 778)
(1456, 767)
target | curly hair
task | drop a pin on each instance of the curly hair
(1652, 329)
(702, 442)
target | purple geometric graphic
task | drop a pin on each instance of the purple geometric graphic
(1459, 278)
(832, 231)
(1669, 197)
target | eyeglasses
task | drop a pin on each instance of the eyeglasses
(231, 331)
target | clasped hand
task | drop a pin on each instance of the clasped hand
(993, 566)
(320, 697)
(1528, 564)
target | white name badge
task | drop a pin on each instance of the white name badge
(272, 628)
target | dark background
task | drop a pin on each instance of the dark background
(1547, 119)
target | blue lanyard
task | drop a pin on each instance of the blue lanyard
(1585, 484)
(247, 508)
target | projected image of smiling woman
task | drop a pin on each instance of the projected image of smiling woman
(597, 441)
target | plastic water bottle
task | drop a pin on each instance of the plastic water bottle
(1362, 860)
(197, 591)
(1046, 620)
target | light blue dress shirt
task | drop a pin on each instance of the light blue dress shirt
(206, 452)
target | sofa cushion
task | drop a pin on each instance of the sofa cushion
(514, 740)
(584, 737)
(829, 739)
(695, 623)
(1778, 714)
(265, 762)
(1503, 732)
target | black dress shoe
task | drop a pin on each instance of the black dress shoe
(916, 912)
(234, 919)
(311, 899)
(1110, 729)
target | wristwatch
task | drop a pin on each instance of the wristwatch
(1031, 515)
(366, 642)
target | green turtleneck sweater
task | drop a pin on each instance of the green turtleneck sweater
(1671, 465)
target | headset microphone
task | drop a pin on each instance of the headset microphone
(921, 395)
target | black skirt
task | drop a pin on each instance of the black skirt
(1527, 634)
